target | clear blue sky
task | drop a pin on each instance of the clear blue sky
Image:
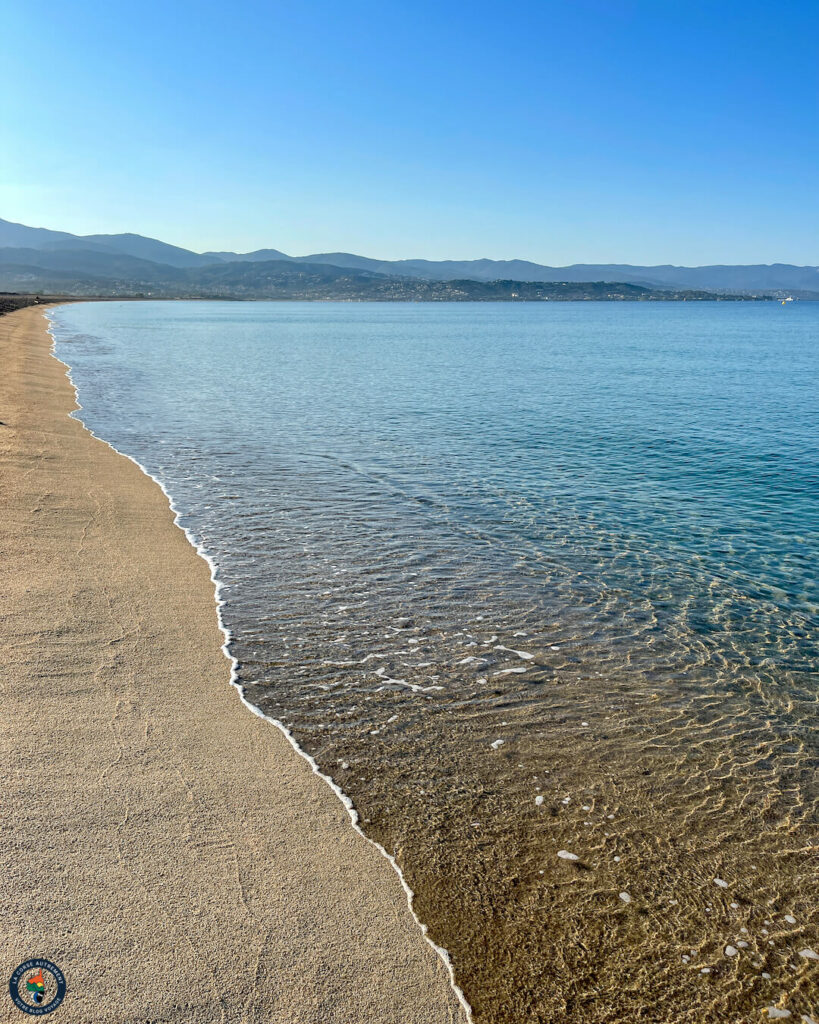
(640, 131)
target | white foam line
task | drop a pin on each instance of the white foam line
(234, 680)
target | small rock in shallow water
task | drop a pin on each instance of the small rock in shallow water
(496, 743)
(565, 855)
(731, 951)
(538, 801)
(721, 883)
(777, 1014)
(624, 896)
(808, 954)
(790, 918)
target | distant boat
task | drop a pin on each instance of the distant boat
(789, 299)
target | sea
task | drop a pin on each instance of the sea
(535, 584)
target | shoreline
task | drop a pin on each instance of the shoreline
(200, 550)
(364, 959)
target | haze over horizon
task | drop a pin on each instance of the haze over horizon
(555, 133)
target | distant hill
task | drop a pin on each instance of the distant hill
(259, 256)
(139, 263)
(100, 263)
(288, 279)
(20, 236)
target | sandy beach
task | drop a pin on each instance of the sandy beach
(166, 848)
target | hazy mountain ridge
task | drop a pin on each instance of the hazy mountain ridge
(33, 253)
(278, 279)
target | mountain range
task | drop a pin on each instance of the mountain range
(39, 259)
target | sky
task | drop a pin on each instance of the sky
(578, 131)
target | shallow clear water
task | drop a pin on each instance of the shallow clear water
(587, 530)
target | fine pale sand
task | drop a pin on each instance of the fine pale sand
(167, 849)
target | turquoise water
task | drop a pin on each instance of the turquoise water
(580, 527)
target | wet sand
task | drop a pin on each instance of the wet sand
(167, 849)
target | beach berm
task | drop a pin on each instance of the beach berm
(166, 848)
